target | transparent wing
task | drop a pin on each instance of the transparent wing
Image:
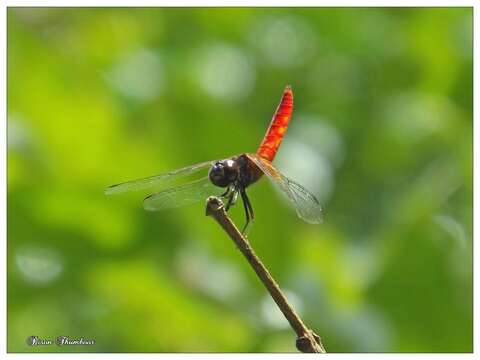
(157, 180)
(186, 194)
(305, 203)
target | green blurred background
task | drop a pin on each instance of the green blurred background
(381, 132)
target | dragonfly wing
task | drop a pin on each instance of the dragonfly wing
(306, 204)
(186, 194)
(157, 180)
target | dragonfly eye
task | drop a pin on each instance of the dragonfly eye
(218, 175)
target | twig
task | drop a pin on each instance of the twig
(307, 340)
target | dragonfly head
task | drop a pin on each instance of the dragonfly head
(223, 172)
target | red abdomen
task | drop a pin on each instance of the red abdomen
(278, 126)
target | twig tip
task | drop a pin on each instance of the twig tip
(214, 204)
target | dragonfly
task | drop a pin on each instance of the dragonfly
(230, 177)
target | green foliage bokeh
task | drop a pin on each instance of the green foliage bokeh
(381, 132)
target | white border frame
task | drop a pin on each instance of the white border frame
(226, 3)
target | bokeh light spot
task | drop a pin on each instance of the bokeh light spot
(271, 314)
(202, 272)
(139, 75)
(225, 72)
(38, 265)
(284, 42)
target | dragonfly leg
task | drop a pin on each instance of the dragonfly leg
(226, 192)
(232, 198)
(229, 193)
(248, 212)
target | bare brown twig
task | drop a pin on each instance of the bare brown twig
(307, 340)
